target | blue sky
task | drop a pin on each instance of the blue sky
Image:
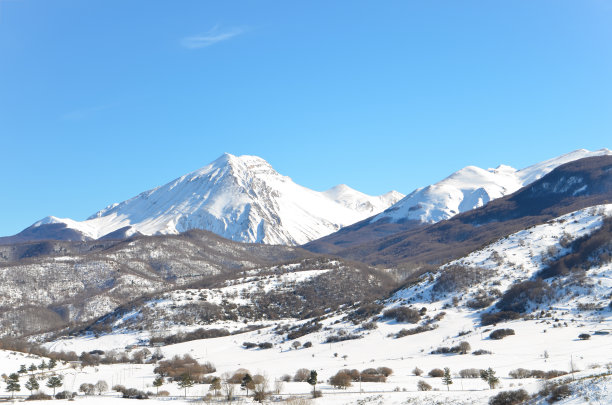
(103, 99)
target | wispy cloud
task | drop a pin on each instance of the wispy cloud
(211, 37)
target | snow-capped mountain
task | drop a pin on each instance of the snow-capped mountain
(238, 197)
(472, 187)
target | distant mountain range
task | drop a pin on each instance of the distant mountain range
(570, 187)
(462, 191)
(244, 199)
(472, 187)
(241, 198)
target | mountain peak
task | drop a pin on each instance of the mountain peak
(243, 162)
(238, 197)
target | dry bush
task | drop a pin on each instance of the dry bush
(520, 296)
(498, 334)
(520, 373)
(386, 371)
(423, 386)
(509, 398)
(301, 375)
(340, 380)
(403, 314)
(461, 348)
(341, 337)
(372, 375)
(354, 373)
(436, 372)
(305, 329)
(177, 366)
(470, 373)
(365, 311)
(419, 329)
(238, 375)
(496, 317)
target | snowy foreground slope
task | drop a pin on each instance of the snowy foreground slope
(238, 197)
(472, 187)
(440, 304)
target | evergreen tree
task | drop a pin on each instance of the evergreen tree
(312, 380)
(185, 382)
(23, 369)
(489, 377)
(446, 378)
(12, 384)
(43, 365)
(215, 385)
(32, 384)
(54, 382)
(247, 383)
(158, 382)
(32, 368)
(52, 364)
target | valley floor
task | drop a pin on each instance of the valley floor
(537, 344)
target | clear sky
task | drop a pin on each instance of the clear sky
(103, 99)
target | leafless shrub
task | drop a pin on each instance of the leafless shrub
(419, 329)
(423, 386)
(178, 366)
(518, 297)
(301, 375)
(501, 333)
(340, 380)
(436, 372)
(402, 314)
(470, 373)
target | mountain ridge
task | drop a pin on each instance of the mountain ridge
(464, 190)
(569, 187)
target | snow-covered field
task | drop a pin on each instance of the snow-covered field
(536, 345)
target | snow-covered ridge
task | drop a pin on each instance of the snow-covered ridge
(472, 187)
(238, 197)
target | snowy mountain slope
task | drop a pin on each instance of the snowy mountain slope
(64, 286)
(480, 277)
(472, 187)
(238, 197)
